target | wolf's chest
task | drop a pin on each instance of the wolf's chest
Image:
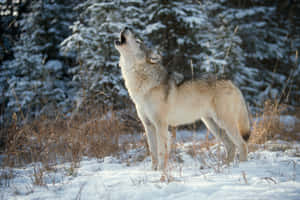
(137, 84)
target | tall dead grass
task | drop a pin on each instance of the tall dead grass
(49, 141)
(44, 142)
(268, 125)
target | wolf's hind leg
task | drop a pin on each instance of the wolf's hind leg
(222, 136)
(235, 136)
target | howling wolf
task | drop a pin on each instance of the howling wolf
(161, 102)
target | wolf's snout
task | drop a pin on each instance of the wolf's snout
(126, 31)
(122, 38)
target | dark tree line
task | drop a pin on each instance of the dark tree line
(58, 55)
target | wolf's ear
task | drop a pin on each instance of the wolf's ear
(154, 58)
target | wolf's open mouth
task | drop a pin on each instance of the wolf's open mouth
(121, 40)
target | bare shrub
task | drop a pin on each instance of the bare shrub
(49, 140)
(38, 176)
(99, 136)
(268, 125)
(5, 176)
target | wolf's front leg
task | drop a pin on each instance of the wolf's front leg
(162, 138)
(151, 138)
(152, 143)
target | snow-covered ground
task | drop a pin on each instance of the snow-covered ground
(272, 172)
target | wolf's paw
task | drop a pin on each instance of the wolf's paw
(154, 166)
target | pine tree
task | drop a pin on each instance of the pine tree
(37, 80)
(254, 43)
(262, 47)
(172, 26)
(92, 43)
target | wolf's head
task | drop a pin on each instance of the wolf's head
(131, 47)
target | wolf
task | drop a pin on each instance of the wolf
(164, 100)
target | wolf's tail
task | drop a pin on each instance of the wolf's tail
(244, 121)
(246, 136)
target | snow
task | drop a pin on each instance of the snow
(288, 122)
(153, 27)
(54, 65)
(268, 174)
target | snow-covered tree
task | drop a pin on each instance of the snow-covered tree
(173, 27)
(259, 50)
(254, 43)
(92, 43)
(240, 40)
(36, 79)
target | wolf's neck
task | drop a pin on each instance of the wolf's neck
(142, 77)
(126, 64)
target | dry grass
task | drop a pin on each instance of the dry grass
(96, 134)
(269, 125)
(47, 141)
(50, 141)
(38, 176)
